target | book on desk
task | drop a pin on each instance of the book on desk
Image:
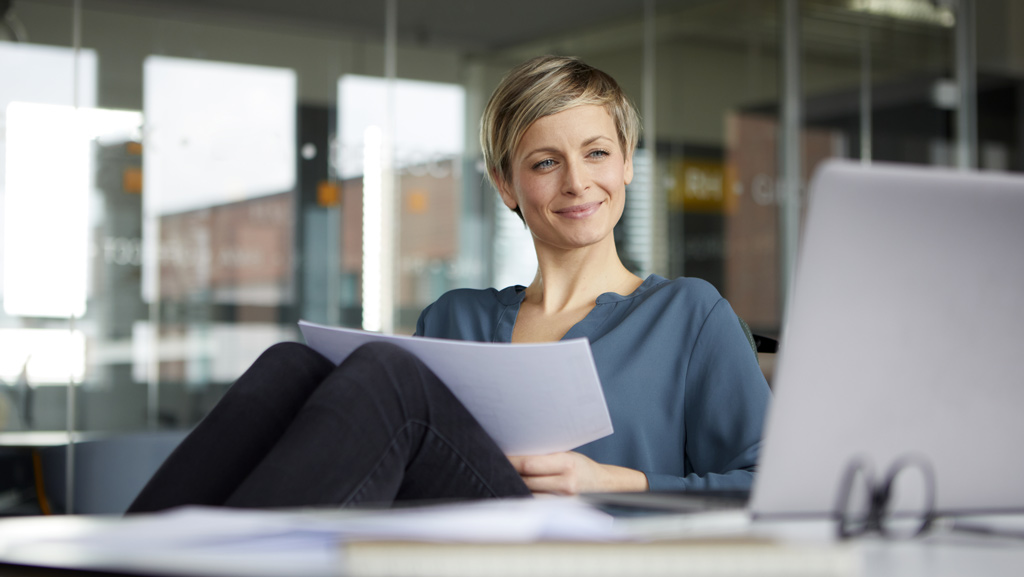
(735, 556)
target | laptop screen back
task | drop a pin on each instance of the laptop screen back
(904, 336)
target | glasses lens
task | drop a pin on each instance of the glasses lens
(909, 507)
(855, 503)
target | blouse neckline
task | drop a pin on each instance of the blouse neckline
(512, 297)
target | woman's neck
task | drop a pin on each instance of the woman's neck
(566, 289)
(568, 280)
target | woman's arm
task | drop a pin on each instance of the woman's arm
(724, 408)
(572, 473)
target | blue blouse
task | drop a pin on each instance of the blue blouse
(686, 396)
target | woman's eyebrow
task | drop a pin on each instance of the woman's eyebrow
(594, 139)
(556, 150)
(545, 149)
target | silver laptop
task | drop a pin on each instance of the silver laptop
(904, 336)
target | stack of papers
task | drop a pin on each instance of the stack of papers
(542, 536)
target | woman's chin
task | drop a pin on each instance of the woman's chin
(579, 240)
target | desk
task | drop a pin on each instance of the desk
(941, 554)
(260, 543)
(40, 439)
(109, 468)
(16, 447)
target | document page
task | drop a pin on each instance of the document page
(532, 399)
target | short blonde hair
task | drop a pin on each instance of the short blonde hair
(541, 87)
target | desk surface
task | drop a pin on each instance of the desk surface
(307, 544)
(40, 439)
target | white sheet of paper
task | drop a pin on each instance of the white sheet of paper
(214, 541)
(531, 399)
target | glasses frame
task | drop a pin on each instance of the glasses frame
(879, 498)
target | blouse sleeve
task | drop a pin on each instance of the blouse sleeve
(725, 402)
(421, 322)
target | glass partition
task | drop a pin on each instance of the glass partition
(181, 184)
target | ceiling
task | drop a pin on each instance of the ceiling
(491, 25)
(830, 28)
(471, 25)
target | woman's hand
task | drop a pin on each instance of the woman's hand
(573, 473)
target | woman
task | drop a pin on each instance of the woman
(686, 396)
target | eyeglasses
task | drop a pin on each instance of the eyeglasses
(902, 506)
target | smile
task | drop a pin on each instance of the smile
(579, 210)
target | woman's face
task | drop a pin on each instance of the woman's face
(569, 178)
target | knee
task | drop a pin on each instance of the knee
(290, 353)
(384, 353)
(286, 362)
(388, 358)
(278, 382)
(287, 347)
(383, 362)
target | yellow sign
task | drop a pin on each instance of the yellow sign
(700, 186)
(328, 193)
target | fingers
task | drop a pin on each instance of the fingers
(552, 484)
(573, 473)
(557, 473)
(534, 465)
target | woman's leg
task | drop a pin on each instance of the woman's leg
(224, 448)
(380, 427)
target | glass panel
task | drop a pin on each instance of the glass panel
(222, 198)
(217, 222)
(428, 145)
(718, 131)
(48, 153)
(191, 204)
(908, 54)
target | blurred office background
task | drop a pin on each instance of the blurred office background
(183, 180)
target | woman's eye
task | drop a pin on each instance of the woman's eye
(548, 163)
(599, 154)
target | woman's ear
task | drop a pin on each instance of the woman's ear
(627, 172)
(505, 191)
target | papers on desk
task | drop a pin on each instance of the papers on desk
(530, 398)
(513, 537)
(253, 543)
(189, 541)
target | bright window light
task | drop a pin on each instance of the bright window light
(216, 352)
(53, 356)
(926, 11)
(429, 120)
(46, 204)
(46, 211)
(216, 133)
(373, 234)
(44, 75)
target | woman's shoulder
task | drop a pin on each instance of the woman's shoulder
(691, 290)
(470, 297)
(455, 311)
(693, 299)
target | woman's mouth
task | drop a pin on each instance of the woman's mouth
(579, 210)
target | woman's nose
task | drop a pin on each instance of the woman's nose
(576, 178)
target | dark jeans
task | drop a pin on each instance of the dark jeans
(295, 430)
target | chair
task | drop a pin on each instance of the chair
(758, 343)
